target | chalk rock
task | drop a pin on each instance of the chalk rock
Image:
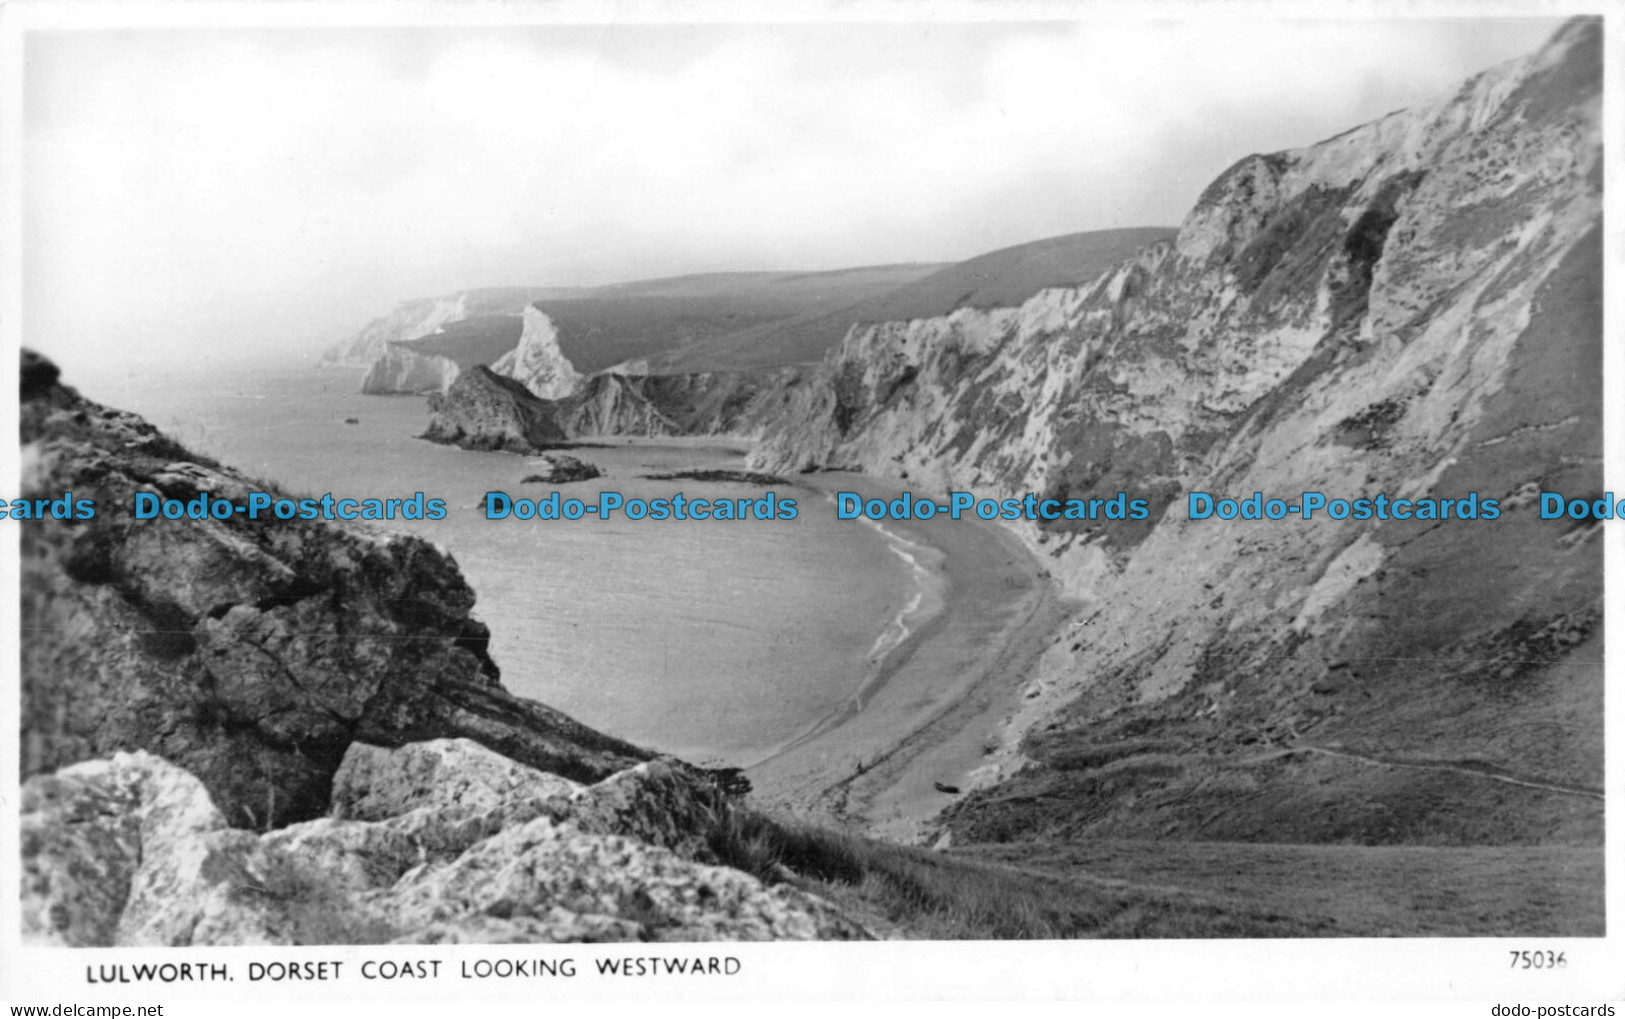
(537, 363)
(375, 783)
(130, 851)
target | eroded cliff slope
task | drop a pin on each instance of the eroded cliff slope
(1410, 308)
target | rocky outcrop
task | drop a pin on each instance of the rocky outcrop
(537, 363)
(377, 783)
(621, 402)
(485, 411)
(1411, 309)
(559, 469)
(248, 731)
(492, 411)
(251, 652)
(435, 842)
(397, 369)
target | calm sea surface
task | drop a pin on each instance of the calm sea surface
(715, 641)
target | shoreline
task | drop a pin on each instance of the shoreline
(893, 645)
(938, 696)
(969, 628)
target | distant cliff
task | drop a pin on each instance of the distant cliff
(484, 410)
(397, 369)
(409, 320)
(482, 414)
(460, 318)
(1410, 308)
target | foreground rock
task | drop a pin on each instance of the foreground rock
(488, 412)
(438, 842)
(252, 653)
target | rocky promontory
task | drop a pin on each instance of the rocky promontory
(486, 411)
(240, 731)
(252, 653)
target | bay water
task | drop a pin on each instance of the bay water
(716, 641)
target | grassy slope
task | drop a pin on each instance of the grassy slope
(1365, 891)
(748, 320)
(1002, 278)
(602, 326)
(470, 341)
(650, 318)
(1119, 888)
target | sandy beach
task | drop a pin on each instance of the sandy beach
(927, 710)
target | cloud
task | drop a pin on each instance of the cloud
(191, 189)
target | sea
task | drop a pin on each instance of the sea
(720, 642)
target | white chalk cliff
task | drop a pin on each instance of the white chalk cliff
(537, 362)
(397, 369)
(1409, 308)
(409, 320)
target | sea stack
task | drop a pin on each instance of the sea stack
(537, 362)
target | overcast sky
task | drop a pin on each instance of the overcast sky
(189, 190)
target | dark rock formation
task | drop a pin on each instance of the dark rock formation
(485, 411)
(251, 653)
(725, 475)
(558, 469)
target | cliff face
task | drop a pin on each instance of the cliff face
(537, 363)
(699, 403)
(251, 653)
(398, 370)
(533, 396)
(409, 320)
(1410, 308)
(485, 411)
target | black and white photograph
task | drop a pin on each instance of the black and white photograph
(539, 500)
